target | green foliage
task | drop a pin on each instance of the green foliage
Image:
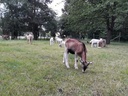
(106, 16)
(28, 15)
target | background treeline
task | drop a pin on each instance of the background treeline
(96, 18)
(20, 16)
(81, 18)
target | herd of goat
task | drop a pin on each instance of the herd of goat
(72, 46)
(77, 48)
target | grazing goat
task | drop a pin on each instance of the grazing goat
(5, 37)
(29, 37)
(58, 40)
(78, 48)
(62, 44)
(104, 43)
(51, 41)
(99, 43)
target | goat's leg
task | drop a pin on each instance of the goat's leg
(76, 61)
(98, 45)
(29, 41)
(92, 44)
(66, 59)
(64, 56)
(50, 42)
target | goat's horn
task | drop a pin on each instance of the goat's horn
(89, 63)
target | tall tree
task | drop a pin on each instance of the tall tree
(87, 15)
(29, 15)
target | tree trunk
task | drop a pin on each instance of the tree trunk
(35, 31)
(110, 21)
(108, 37)
(110, 28)
(108, 31)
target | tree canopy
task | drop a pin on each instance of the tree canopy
(90, 18)
(28, 15)
(107, 18)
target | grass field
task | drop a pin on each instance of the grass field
(37, 70)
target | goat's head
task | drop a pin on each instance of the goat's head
(90, 42)
(85, 65)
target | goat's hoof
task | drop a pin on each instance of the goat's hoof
(76, 67)
(68, 67)
(83, 71)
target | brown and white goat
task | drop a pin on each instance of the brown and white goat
(78, 48)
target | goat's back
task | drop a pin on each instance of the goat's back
(75, 45)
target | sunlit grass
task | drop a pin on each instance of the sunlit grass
(37, 70)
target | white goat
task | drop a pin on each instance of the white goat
(62, 43)
(58, 40)
(98, 43)
(29, 37)
(51, 41)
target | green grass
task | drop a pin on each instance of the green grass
(37, 70)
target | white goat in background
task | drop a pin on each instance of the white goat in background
(62, 44)
(99, 43)
(51, 41)
(29, 36)
(58, 40)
